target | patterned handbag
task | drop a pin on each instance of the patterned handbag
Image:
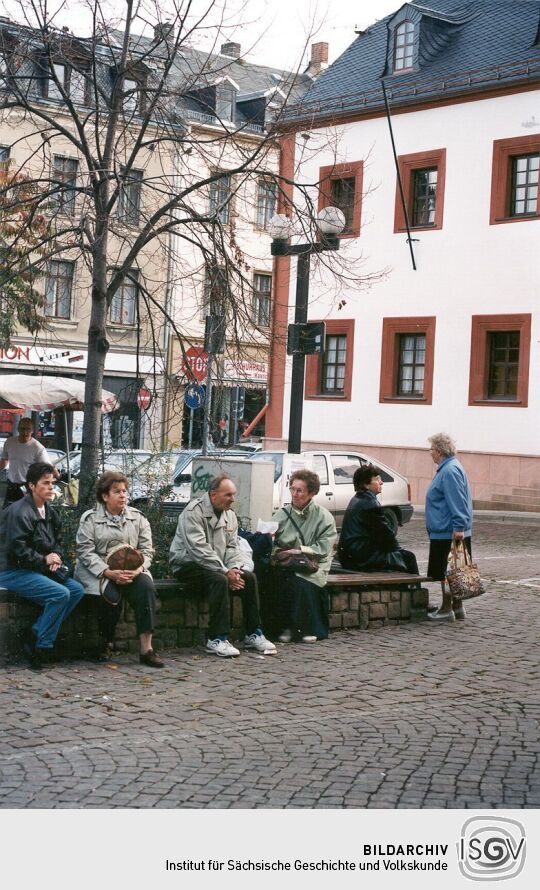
(462, 574)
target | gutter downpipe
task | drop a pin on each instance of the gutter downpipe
(400, 182)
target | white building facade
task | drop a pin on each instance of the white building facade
(453, 345)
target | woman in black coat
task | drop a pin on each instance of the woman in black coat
(367, 542)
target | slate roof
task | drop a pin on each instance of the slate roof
(196, 69)
(261, 90)
(463, 46)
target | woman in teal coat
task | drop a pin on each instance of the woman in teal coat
(304, 527)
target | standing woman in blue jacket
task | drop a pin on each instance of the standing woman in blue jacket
(449, 517)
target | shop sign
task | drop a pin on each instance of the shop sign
(76, 359)
(245, 370)
(15, 354)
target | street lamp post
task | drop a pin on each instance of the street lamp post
(330, 223)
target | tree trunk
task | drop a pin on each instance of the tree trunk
(98, 347)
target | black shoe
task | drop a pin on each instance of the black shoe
(33, 655)
(150, 659)
(45, 656)
(34, 661)
(106, 652)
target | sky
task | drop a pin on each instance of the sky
(282, 28)
(271, 32)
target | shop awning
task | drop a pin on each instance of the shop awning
(41, 393)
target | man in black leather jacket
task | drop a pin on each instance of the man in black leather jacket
(31, 561)
(367, 542)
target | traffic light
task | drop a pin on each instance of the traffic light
(306, 339)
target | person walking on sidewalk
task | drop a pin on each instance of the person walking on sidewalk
(31, 562)
(205, 551)
(449, 517)
(18, 453)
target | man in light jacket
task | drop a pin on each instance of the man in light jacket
(205, 550)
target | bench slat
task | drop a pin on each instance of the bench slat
(370, 579)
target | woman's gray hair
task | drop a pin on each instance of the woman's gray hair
(443, 443)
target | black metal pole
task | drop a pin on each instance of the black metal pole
(299, 360)
(398, 174)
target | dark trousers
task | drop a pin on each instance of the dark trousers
(216, 586)
(302, 606)
(141, 596)
(15, 491)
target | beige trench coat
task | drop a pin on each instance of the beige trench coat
(98, 534)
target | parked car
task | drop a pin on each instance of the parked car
(55, 454)
(336, 470)
(146, 471)
(248, 445)
(153, 478)
(61, 462)
(177, 492)
(127, 460)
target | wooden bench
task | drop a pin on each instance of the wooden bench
(168, 587)
(374, 579)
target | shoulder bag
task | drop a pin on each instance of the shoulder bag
(294, 562)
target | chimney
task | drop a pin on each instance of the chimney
(233, 50)
(319, 58)
(163, 32)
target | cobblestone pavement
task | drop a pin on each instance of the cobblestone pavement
(408, 716)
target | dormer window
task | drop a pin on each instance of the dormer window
(404, 38)
(57, 81)
(225, 103)
(61, 76)
(131, 98)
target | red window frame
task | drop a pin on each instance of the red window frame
(420, 160)
(314, 365)
(504, 150)
(481, 326)
(353, 170)
(392, 329)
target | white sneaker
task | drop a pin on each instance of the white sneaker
(441, 616)
(285, 636)
(222, 648)
(259, 643)
(309, 639)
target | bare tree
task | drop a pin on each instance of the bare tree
(140, 166)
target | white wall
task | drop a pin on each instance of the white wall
(467, 268)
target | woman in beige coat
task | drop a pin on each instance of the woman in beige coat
(111, 523)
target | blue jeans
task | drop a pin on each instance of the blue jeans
(58, 600)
